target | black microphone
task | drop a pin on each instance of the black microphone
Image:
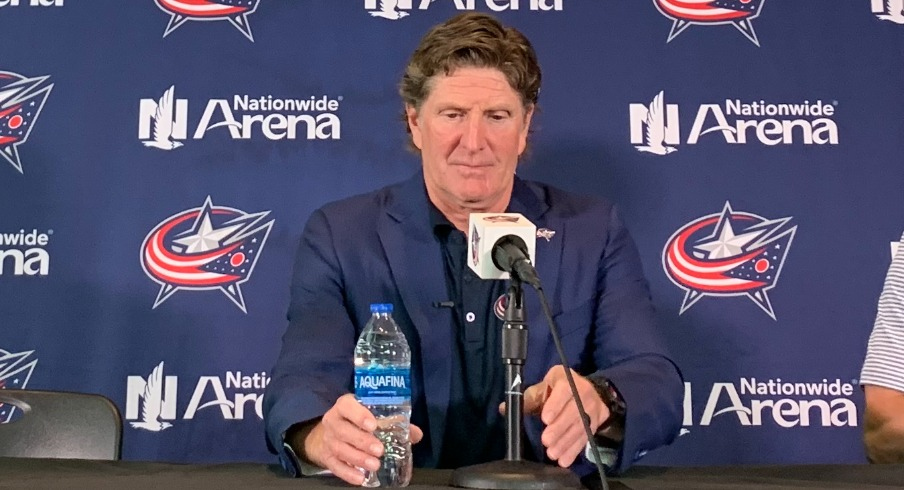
(510, 255)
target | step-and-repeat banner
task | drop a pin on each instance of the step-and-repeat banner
(159, 158)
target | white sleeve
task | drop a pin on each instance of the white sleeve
(884, 364)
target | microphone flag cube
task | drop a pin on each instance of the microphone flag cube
(484, 229)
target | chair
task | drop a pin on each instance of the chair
(56, 424)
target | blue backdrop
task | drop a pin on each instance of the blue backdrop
(160, 158)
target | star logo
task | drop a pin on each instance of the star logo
(21, 101)
(685, 13)
(236, 12)
(728, 254)
(210, 247)
(15, 371)
(546, 233)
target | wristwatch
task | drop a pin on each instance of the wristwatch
(612, 428)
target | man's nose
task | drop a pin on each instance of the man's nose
(474, 137)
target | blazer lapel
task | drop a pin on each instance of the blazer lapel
(416, 262)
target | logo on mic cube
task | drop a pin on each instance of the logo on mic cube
(485, 230)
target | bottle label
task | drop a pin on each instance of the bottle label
(383, 385)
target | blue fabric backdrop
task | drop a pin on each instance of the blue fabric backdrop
(161, 157)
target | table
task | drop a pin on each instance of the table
(131, 475)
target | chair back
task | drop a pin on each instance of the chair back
(56, 424)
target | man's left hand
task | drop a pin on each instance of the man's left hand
(550, 399)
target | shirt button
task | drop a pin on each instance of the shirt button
(469, 277)
(470, 317)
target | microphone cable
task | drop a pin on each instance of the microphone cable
(574, 390)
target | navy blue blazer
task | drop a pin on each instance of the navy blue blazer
(380, 248)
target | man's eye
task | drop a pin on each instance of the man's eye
(452, 115)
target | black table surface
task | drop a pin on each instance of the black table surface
(132, 475)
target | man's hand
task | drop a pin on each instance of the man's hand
(564, 436)
(883, 424)
(343, 441)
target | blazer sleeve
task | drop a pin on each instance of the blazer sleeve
(631, 352)
(314, 367)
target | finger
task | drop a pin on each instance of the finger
(535, 397)
(502, 408)
(554, 373)
(352, 435)
(353, 456)
(559, 398)
(416, 434)
(559, 428)
(351, 409)
(570, 454)
(562, 441)
(344, 471)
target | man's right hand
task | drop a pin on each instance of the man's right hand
(343, 441)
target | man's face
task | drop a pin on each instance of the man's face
(471, 130)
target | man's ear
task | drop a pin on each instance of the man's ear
(413, 125)
(528, 115)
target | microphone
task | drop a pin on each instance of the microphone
(501, 244)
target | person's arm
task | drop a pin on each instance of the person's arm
(883, 425)
(631, 352)
(882, 377)
(314, 367)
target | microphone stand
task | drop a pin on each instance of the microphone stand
(514, 473)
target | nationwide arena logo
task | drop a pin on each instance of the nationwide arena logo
(15, 371)
(685, 13)
(205, 248)
(163, 122)
(31, 3)
(890, 10)
(21, 101)
(728, 254)
(398, 9)
(24, 253)
(656, 127)
(776, 402)
(156, 397)
(236, 12)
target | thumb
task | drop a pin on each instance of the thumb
(416, 434)
(535, 397)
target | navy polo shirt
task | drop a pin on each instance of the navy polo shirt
(475, 431)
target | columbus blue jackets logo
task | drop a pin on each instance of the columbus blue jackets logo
(206, 248)
(728, 254)
(234, 11)
(685, 13)
(500, 305)
(21, 101)
(15, 371)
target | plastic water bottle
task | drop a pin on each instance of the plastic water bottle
(383, 385)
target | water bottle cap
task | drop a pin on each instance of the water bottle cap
(381, 308)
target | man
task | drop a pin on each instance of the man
(883, 371)
(470, 91)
